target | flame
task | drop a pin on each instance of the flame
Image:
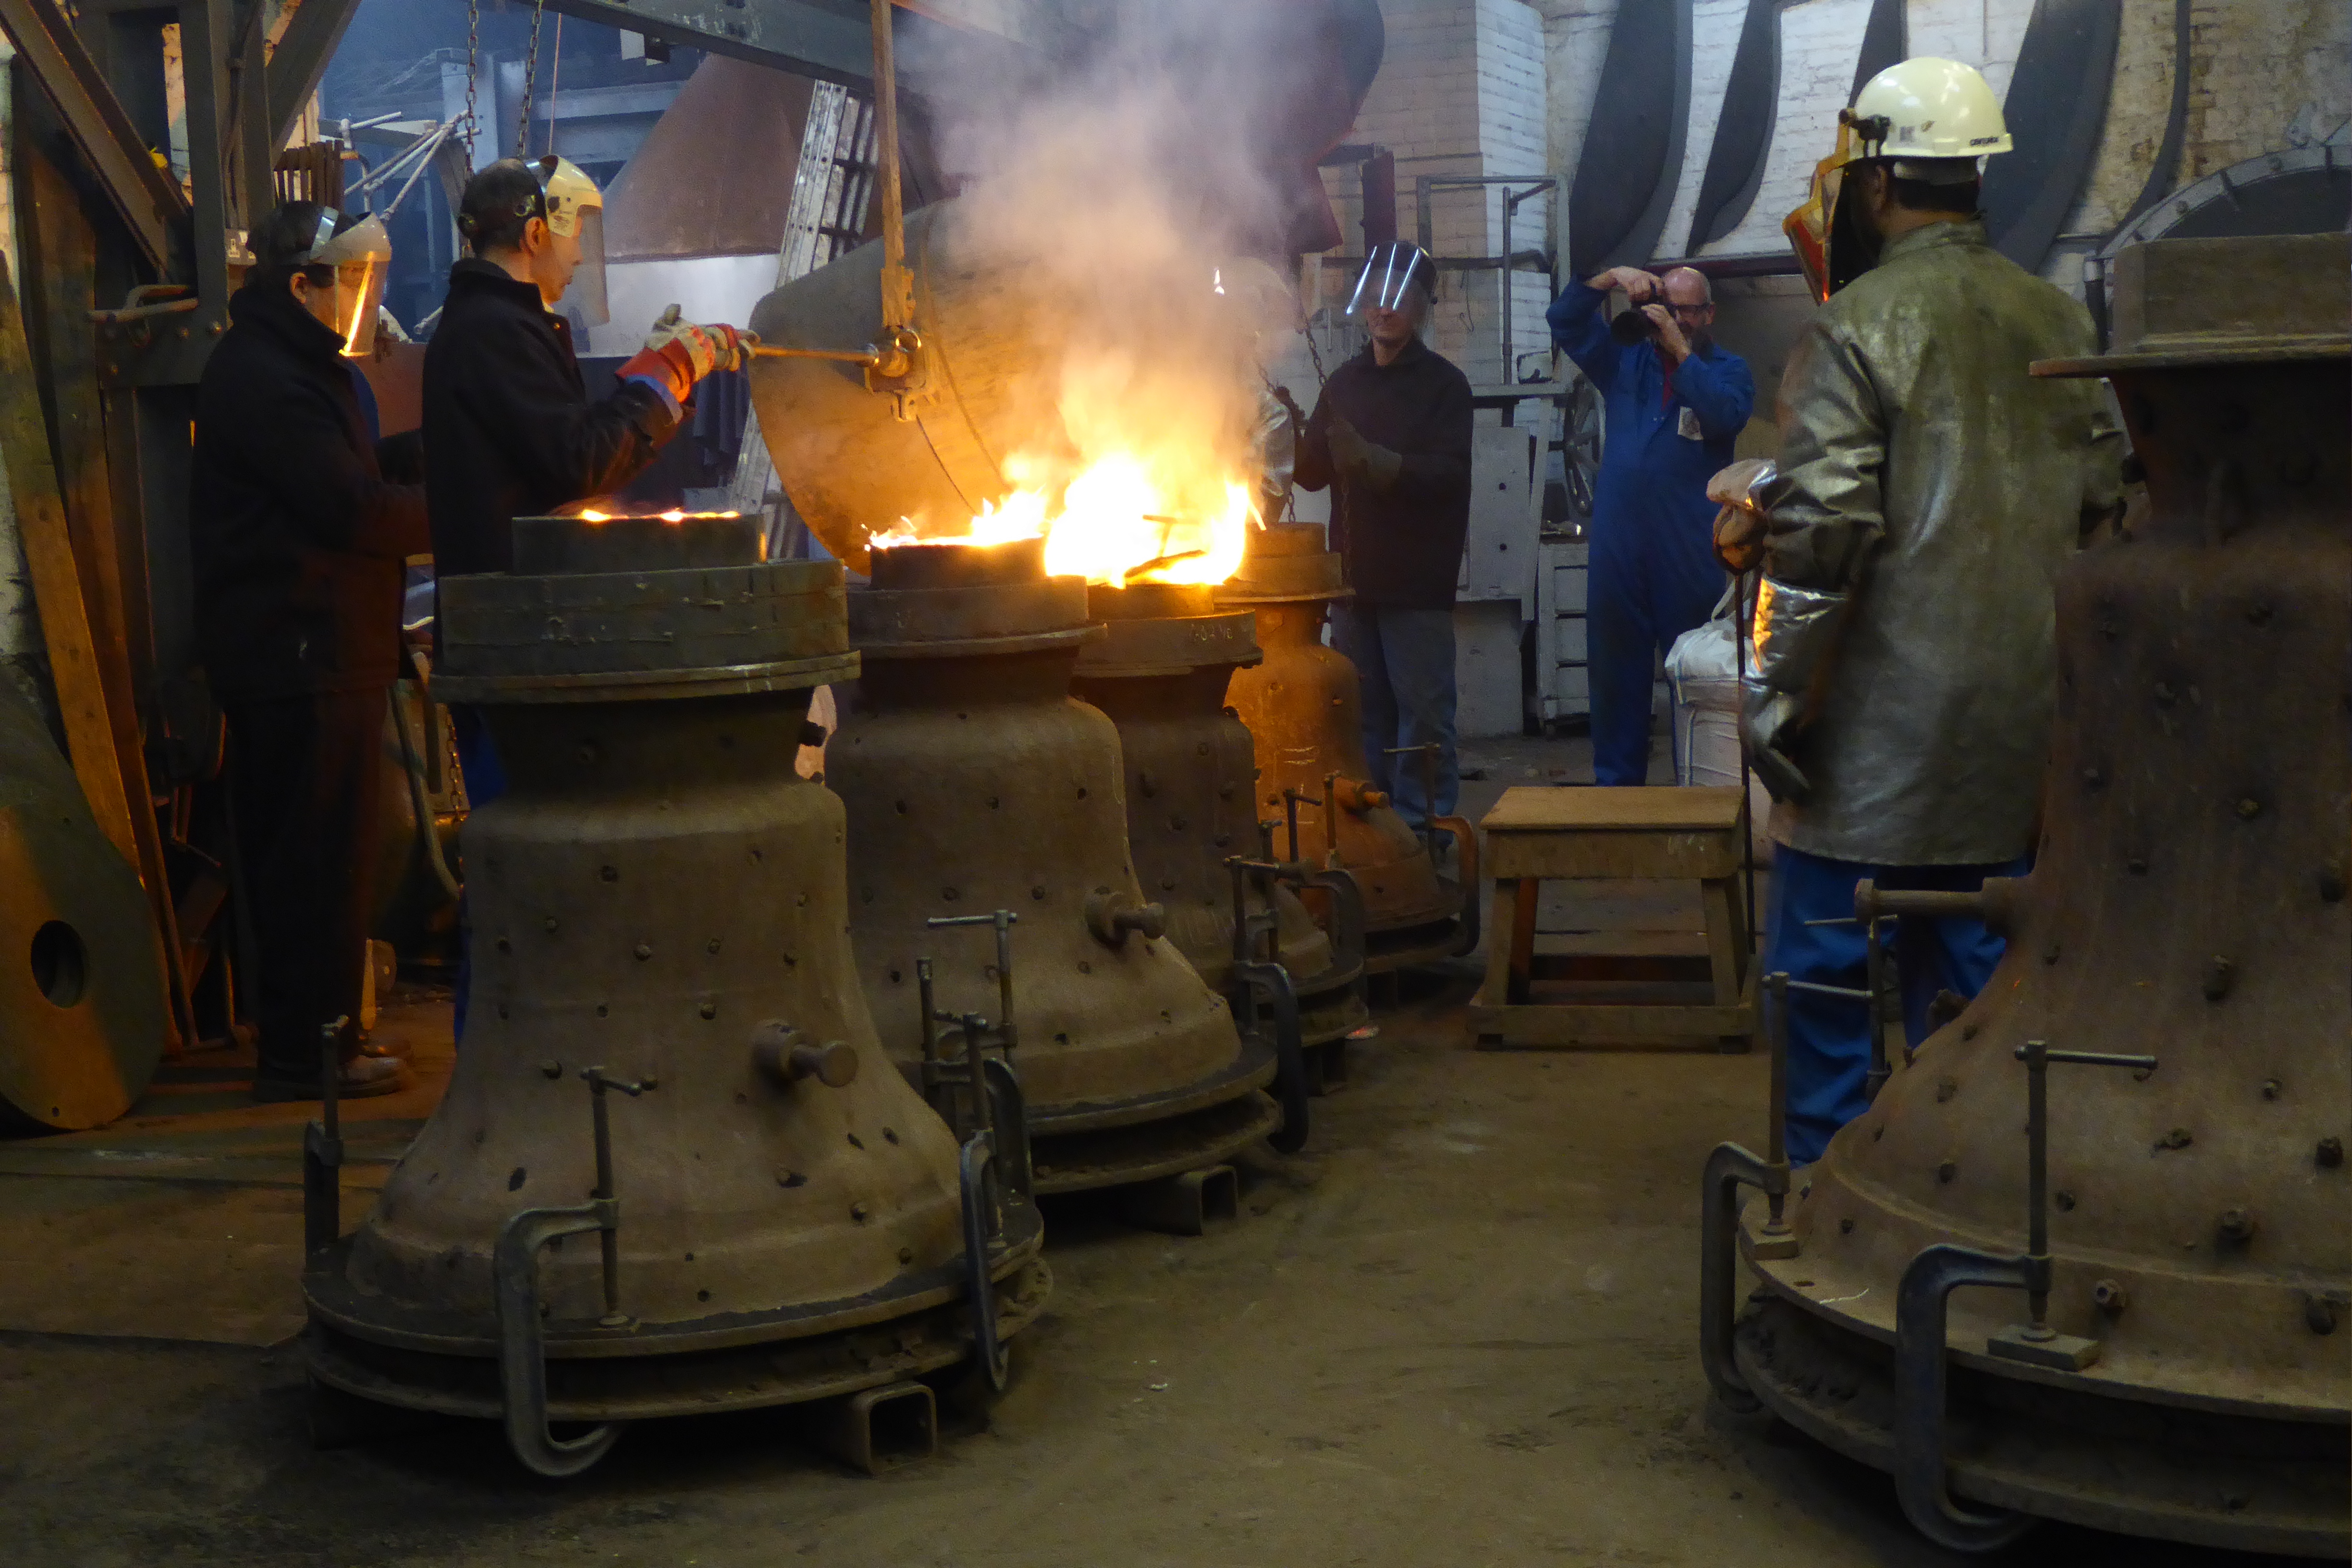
(1115, 520)
(673, 515)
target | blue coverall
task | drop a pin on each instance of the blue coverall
(1653, 574)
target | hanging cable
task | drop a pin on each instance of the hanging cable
(473, 57)
(530, 83)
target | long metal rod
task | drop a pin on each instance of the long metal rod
(898, 283)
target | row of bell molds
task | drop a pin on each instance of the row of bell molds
(1161, 674)
(1304, 708)
(656, 892)
(975, 781)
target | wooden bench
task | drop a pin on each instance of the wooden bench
(1611, 990)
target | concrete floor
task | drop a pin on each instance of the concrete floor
(1457, 1330)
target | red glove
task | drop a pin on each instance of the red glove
(679, 353)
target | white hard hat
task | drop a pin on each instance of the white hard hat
(1929, 109)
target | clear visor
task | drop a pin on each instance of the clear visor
(586, 293)
(1391, 281)
(359, 296)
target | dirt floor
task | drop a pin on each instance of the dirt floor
(1457, 1330)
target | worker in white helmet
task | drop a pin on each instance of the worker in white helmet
(1929, 490)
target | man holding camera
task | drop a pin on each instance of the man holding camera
(1675, 401)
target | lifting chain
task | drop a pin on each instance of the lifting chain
(473, 55)
(530, 85)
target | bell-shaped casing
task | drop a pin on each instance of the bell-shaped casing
(2188, 903)
(1303, 707)
(975, 781)
(655, 893)
(1161, 676)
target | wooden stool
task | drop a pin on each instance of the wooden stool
(1620, 995)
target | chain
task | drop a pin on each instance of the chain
(530, 85)
(473, 49)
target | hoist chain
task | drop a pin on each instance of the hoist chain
(530, 84)
(473, 53)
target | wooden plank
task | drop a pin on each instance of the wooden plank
(1499, 939)
(1612, 857)
(62, 273)
(1578, 1025)
(48, 543)
(1725, 956)
(1540, 808)
(1622, 945)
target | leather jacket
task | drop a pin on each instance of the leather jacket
(1929, 478)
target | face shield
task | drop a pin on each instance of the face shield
(1830, 242)
(1398, 277)
(360, 254)
(575, 210)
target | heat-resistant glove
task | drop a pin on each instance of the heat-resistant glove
(1362, 465)
(678, 354)
(1771, 720)
(1739, 525)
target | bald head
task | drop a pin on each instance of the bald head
(1692, 299)
(1689, 286)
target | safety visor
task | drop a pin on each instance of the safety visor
(1810, 229)
(575, 209)
(1393, 271)
(360, 254)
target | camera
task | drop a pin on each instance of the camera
(1627, 324)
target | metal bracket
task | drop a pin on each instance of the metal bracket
(981, 1222)
(514, 1276)
(1252, 981)
(1921, 1306)
(876, 1429)
(1183, 1204)
(322, 1149)
(1728, 1168)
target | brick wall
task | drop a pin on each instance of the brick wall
(2268, 74)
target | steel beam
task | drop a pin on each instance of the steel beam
(301, 59)
(830, 40)
(148, 198)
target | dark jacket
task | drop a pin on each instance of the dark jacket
(1403, 549)
(298, 536)
(509, 423)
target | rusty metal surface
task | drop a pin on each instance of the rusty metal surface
(851, 467)
(1161, 676)
(2189, 903)
(1302, 706)
(657, 890)
(82, 1008)
(978, 783)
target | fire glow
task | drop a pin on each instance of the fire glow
(674, 515)
(1115, 521)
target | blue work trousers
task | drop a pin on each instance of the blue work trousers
(1641, 597)
(486, 779)
(1829, 1037)
(1404, 660)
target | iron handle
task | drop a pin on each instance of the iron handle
(785, 1055)
(1111, 916)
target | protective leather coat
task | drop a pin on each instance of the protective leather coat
(1926, 474)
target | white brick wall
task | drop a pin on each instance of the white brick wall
(1715, 43)
(1820, 42)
